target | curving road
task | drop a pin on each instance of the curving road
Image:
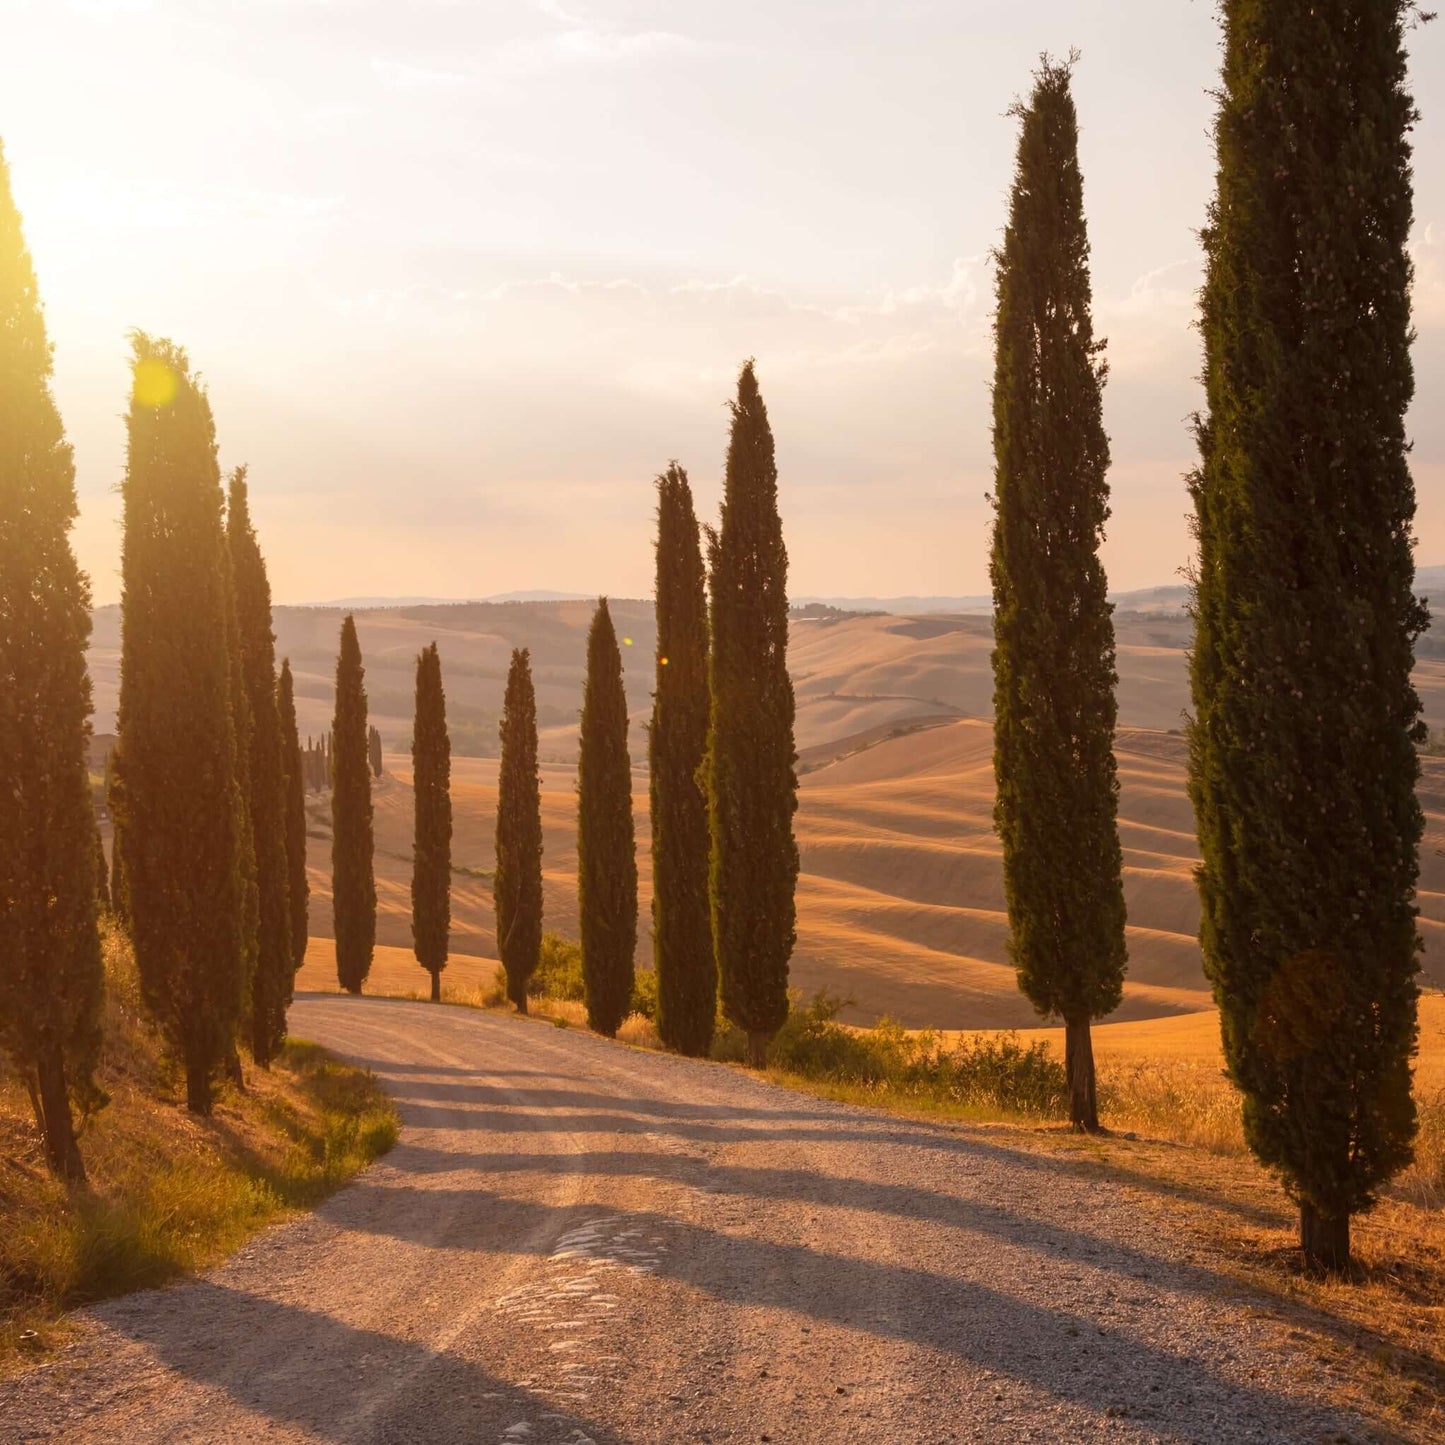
(578, 1242)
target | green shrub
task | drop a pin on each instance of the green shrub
(559, 970)
(644, 994)
(996, 1072)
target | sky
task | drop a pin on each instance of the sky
(462, 276)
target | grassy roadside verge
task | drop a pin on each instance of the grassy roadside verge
(169, 1193)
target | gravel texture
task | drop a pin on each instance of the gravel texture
(578, 1242)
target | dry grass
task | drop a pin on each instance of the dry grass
(169, 1193)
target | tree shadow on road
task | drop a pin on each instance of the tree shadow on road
(307, 1369)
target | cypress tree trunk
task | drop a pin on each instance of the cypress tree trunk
(431, 878)
(50, 967)
(1053, 661)
(1302, 745)
(606, 848)
(517, 879)
(353, 884)
(752, 785)
(677, 745)
(271, 985)
(180, 811)
(297, 887)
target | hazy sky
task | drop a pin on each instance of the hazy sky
(463, 275)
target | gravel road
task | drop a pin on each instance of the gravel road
(578, 1242)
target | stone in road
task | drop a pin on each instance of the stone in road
(575, 1242)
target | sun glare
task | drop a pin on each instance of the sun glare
(155, 383)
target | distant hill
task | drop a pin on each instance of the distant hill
(855, 669)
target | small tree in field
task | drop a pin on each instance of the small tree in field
(353, 884)
(517, 880)
(677, 745)
(1053, 659)
(606, 848)
(752, 785)
(50, 969)
(431, 876)
(1302, 745)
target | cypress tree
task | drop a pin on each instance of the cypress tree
(297, 887)
(677, 743)
(353, 884)
(373, 750)
(250, 889)
(1302, 743)
(1053, 660)
(517, 880)
(431, 876)
(752, 785)
(180, 810)
(265, 777)
(606, 849)
(50, 968)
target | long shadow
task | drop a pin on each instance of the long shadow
(1060, 1244)
(307, 1369)
(601, 1112)
(1058, 1351)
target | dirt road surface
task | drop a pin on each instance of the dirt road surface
(577, 1242)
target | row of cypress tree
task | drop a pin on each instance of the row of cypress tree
(206, 801)
(723, 786)
(1302, 742)
(354, 756)
(204, 784)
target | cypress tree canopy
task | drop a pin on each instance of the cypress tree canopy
(1053, 660)
(1302, 743)
(677, 744)
(271, 985)
(517, 879)
(353, 884)
(180, 811)
(752, 786)
(50, 970)
(606, 848)
(297, 889)
(431, 877)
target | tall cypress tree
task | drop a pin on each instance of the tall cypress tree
(353, 884)
(297, 887)
(271, 984)
(517, 880)
(752, 785)
(250, 889)
(1302, 744)
(373, 750)
(431, 875)
(1053, 660)
(677, 744)
(606, 847)
(50, 970)
(180, 809)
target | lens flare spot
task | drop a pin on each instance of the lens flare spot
(662, 662)
(627, 642)
(155, 383)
